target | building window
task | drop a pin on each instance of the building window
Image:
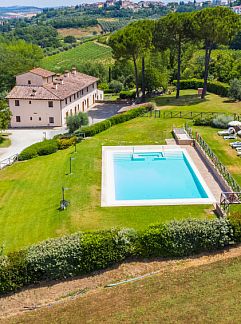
(82, 92)
(74, 96)
(30, 102)
(67, 114)
(71, 112)
(17, 103)
(29, 81)
(51, 104)
(18, 119)
(93, 86)
(87, 89)
(66, 101)
(31, 118)
(51, 120)
(39, 118)
(70, 98)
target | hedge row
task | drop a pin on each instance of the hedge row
(128, 94)
(219, 88)
(46, 147)
(117, 119)
(82, 253)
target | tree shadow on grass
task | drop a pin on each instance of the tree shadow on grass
(184, 100)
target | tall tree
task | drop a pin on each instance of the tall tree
(214, 26)
(130, 43)
(174, 31)
(5, 115)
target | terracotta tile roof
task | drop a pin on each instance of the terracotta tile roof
(42, 72)
(31, 93)
(71, 85)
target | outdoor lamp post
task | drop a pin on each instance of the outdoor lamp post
(64, 203)
(70, 164)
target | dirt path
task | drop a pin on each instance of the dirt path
(57, 292)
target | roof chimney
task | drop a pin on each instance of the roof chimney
(66, 73)
(55, 86)
(74, 71)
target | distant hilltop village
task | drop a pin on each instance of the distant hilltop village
(21, 12)
(127, 4)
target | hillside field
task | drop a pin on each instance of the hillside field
(78, 56)
(79, 32)
(201, 293)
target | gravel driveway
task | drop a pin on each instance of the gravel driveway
(21, 138)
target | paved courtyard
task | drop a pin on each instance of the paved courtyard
(22, 138)
(102, 111)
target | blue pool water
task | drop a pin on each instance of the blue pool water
(154, 176)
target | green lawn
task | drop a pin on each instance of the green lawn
(204, 294)
(222, 149)
(30, 191)
(189, 101)
(78, 57)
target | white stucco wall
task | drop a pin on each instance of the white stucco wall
(37, 109)
(35, 79)
(82, 104)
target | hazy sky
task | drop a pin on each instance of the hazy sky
(41, 3)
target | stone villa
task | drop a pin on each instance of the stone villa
(43, 98)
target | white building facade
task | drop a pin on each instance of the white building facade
(44, 99)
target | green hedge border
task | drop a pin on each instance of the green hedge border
(216, 87)
(82, 253)
(88, 131)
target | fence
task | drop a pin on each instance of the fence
(8, 161)
(187, 114)
(215, 160)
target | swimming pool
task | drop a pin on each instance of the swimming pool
(159, 175)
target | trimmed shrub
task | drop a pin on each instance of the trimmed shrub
(64, 143)
(82, 253)
(202, 122)
(117, 119)
(235, 89)
(235, 221)
(28, 153)
(94, 129)
(65, 257)
(131, 114)
(47, 147)
(116, 86)
(42, 148)
(128, 94)
(183, 238)
(13, 272)
(221, 121)
(219, 88)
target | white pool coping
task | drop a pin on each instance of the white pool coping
(108, 179)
